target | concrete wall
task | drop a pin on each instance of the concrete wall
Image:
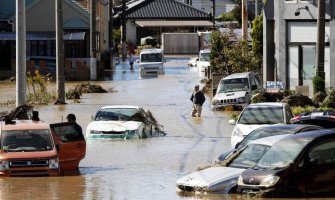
(131, 31)
(180, 43)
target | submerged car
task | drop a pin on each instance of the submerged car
(300, 165)
(35, 148)
(193, 62)
(270, 130)
(258, 114)
(151, 61)
(224, 179)
(325, 119)
(118, 121)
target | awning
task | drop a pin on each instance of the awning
(167, 23)
(43, 36)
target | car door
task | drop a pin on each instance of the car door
(319, 172)
(71, 145)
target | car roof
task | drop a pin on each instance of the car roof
(269, 141)
(294, 127)
(266, 104)
(310, 135)
(146, 51)
(205, 51)
(24, 125)
(238, 75)
(324, 113)
(121, 106)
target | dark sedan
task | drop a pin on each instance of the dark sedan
(326, 119)
(299, 165)
(270, 130)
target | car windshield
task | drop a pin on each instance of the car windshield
(282, 154)
(26, 140)
(115, 114)
(233, 85)
(264, 132)
(204, 56)
(262, 115)
(249, 156)
(153, 57)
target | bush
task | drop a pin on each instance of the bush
(319, 97)
(318, 85)
(298, 100)
(329, 100)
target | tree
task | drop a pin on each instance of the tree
(257, 40)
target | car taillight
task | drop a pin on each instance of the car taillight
(332, 117)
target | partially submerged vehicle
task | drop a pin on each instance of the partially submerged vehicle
(223, 179)
(151, 61)
(123, 122)
(203, 63)
(35, 148)
(236, 90)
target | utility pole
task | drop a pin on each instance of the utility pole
(245, 20)
(93, 60)
(214, 14)
(320, 46)
(256, 8)
(21, 82)
(111, 39)
(60, 79)
(123, 32)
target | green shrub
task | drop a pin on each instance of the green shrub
(318, 85)
(329, 100)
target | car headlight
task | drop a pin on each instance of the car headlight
(241, 99)
(94, 132)
(240, 180)
(237, 132)
(4, 165)
(269, 181)
(215, 102)
(53, 163)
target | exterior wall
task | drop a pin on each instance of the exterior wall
(285, 41)
(131, 31)
(180, 43)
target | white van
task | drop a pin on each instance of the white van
(236, 90)
(203, 62)
(151, 61)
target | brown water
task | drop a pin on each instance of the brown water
(134, 169)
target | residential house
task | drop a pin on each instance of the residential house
(41, 44)
(290, 36)
(221, 6)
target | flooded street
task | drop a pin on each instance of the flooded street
(134, 169)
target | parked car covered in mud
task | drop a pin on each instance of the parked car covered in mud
(222, 178)
(326, 119)
(122, 121)
(300, 165)
(35, 148)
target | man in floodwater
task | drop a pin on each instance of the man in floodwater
(71, 118)
(198, 98)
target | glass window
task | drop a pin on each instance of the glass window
(249, 156)
(68, 133)
(323, 153)
(233, 85)
(154, 57)
(115, 114)
(266, 115)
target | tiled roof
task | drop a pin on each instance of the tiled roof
(164, 9)
(7, 8)
(76, 23)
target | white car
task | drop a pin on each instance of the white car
(118, 122)
(203, 63)
(259, 114)
(224, 179)
(151, 61)
(193, 62)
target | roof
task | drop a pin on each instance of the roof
(238, 75)
(163, 9)
(76, 23)
(121, 106)
(25, 125)
(174, 23)
(266, 104)
(205, 51)
(43, 36)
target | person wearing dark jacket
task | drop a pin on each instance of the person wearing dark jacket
(198, 98)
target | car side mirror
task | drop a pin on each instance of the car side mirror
(232, 121)
(197, 59)
(313, 162)
(238, 144)
(137, 61)
(57, 147)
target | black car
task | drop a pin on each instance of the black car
(326, 119)
(270, 130)
(298, 165)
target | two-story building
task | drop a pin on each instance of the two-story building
(290, 36)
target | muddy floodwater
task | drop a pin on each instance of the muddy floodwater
(134, 169)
